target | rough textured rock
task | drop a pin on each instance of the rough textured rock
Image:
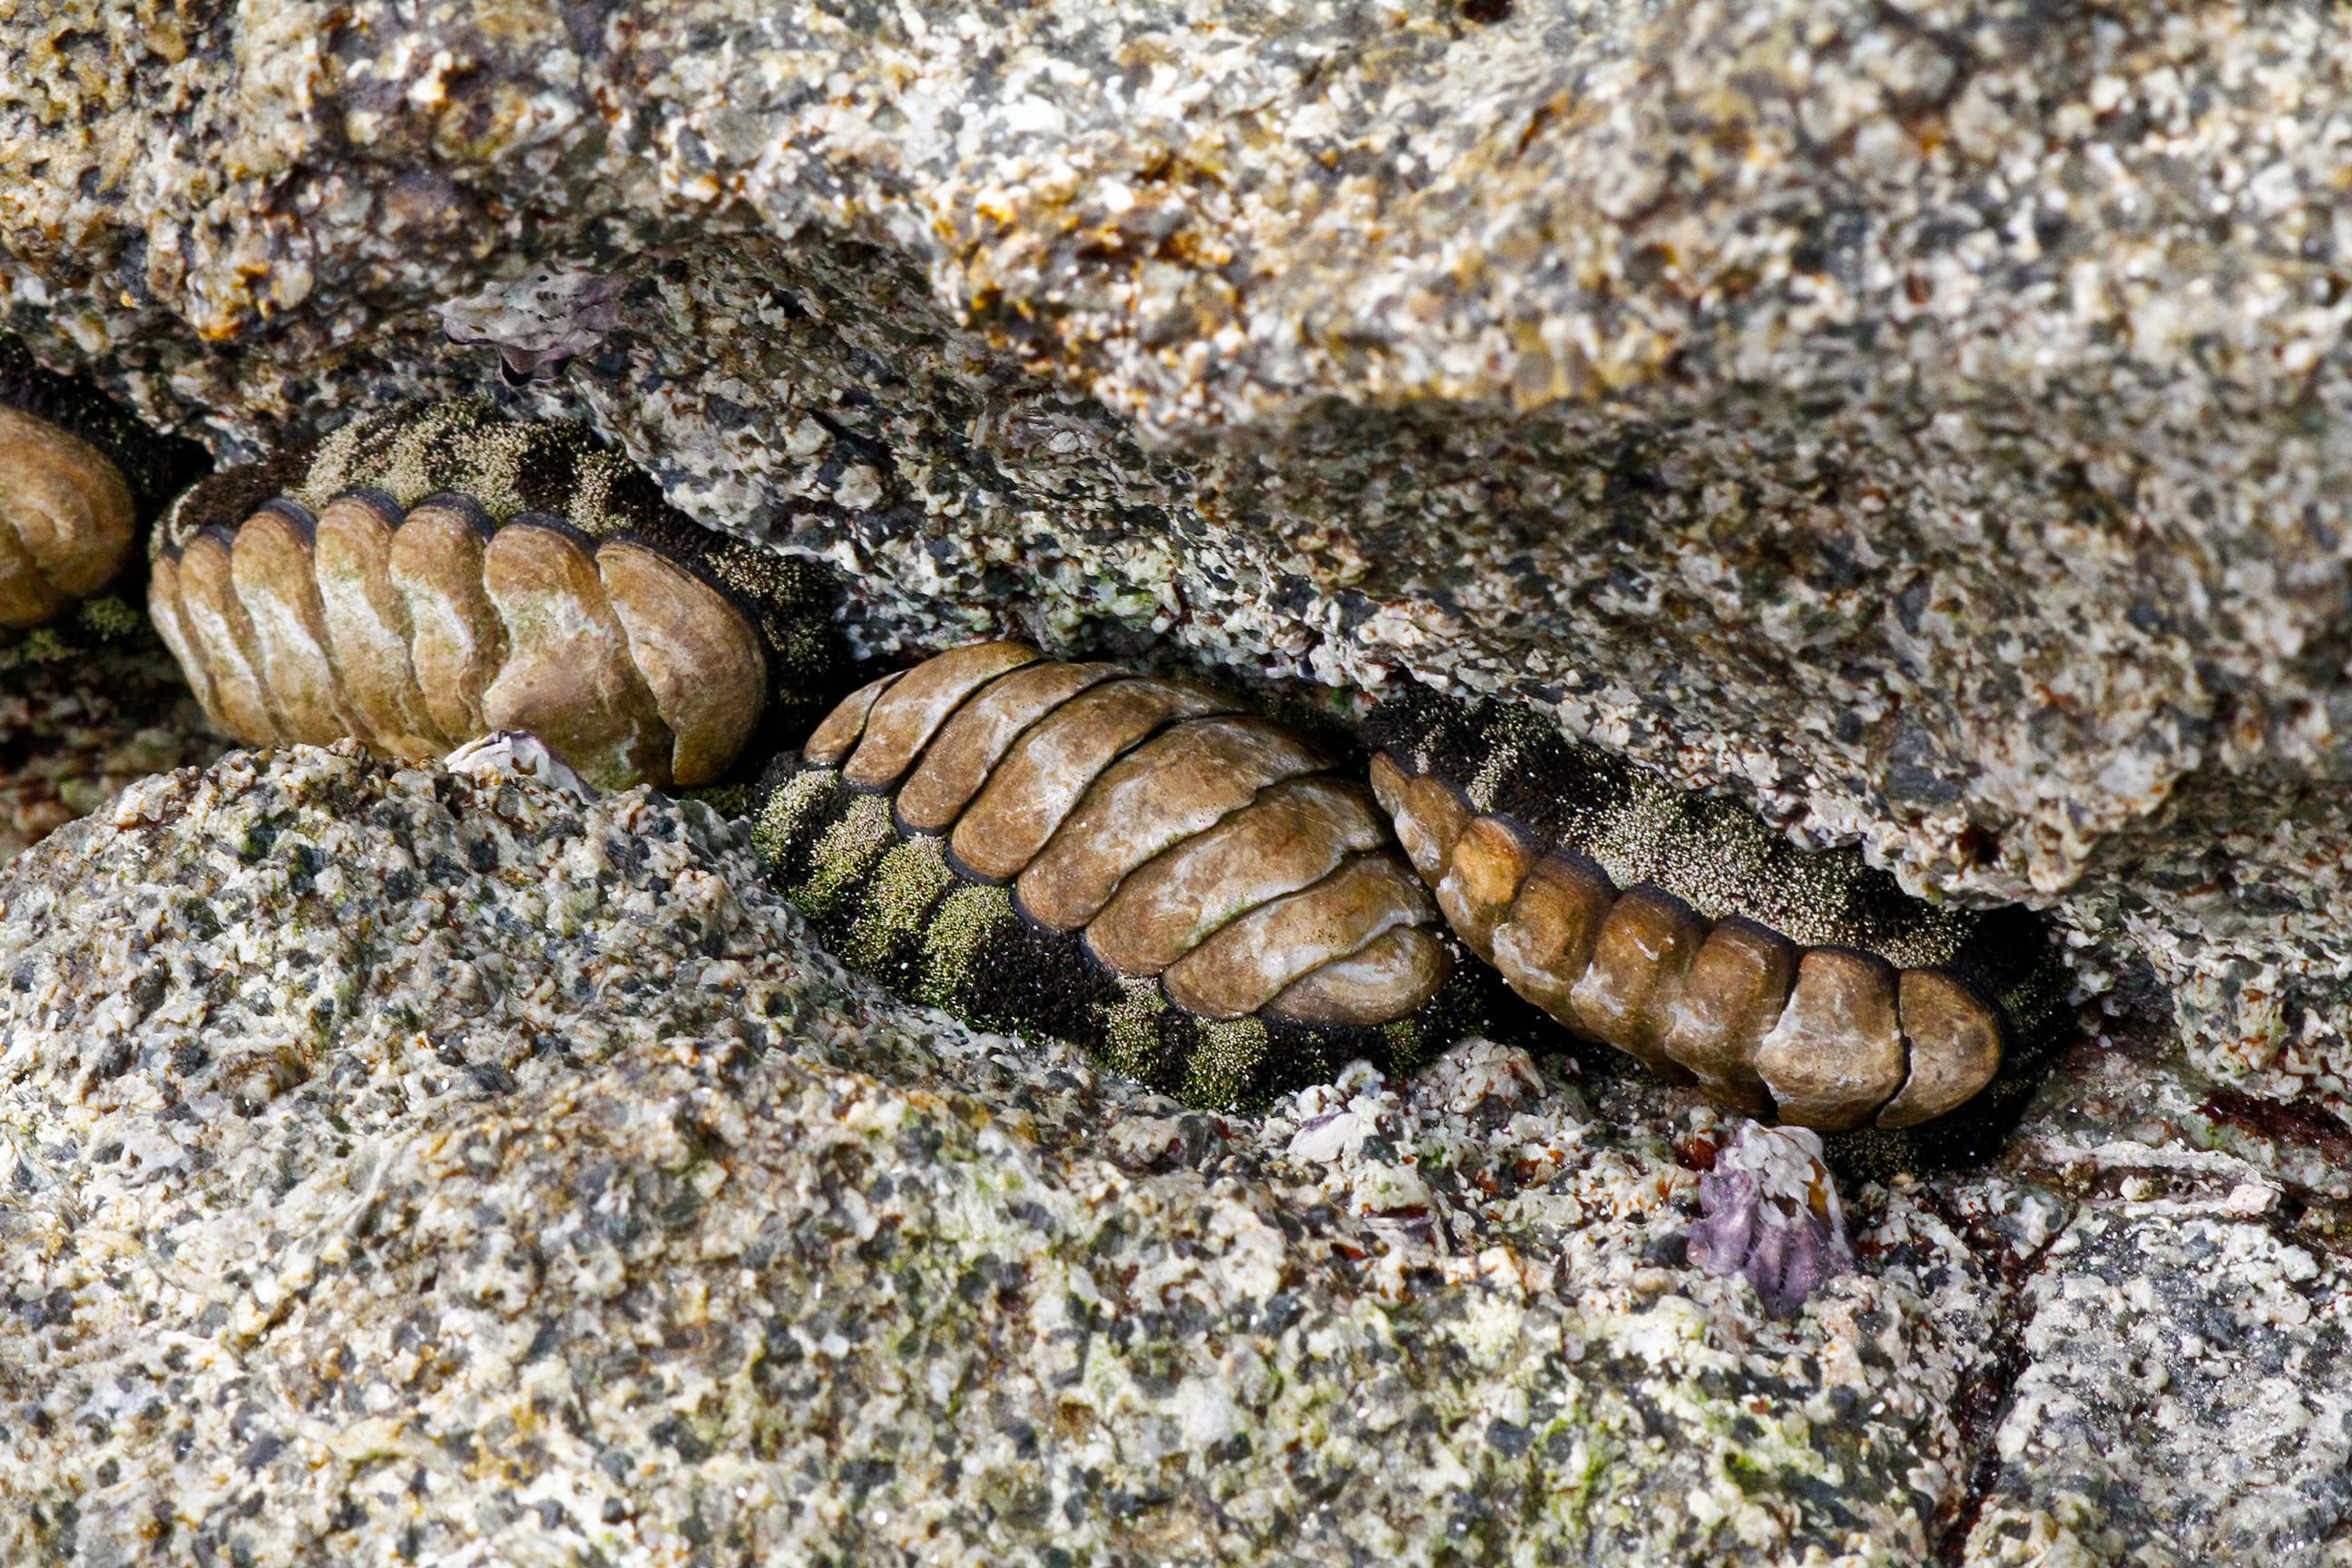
(1921, 418)
(77, 725)
(425, 1165)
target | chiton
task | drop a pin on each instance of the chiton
(1137, 864)
(1679, 929)
(79, 476)
(432, 575)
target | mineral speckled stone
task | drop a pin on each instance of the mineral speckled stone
(1919, 421)
(413, 1164)
(2187, 1346)
(77, 728)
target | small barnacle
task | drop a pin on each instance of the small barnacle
(518, 753)
(1136, 864)
(1769, 1210)
(425, 576)
(1678, 929)
(539, 320)
(78, 478)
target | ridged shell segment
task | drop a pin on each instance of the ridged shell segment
(425, 578)
(1155, 871)
(1683, 933)
(78, 478)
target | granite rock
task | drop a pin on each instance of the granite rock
(406, 1164)
(1922, 419)
(79, 722)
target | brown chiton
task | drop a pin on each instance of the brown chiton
(79, 476)
(1681, 931)
(423, 577)
(1139, 865)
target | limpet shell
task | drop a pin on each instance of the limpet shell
(425, 577)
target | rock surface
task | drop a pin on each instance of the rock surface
(1923, 419)
(78, 725)
(418, 1164)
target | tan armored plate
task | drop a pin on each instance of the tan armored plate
(1788, 983)
(1134, 862)
(430, 577)
(78, 478)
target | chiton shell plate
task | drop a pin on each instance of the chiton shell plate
(78, 478)
(438, 574)
(1677, 929)
(1138, 864)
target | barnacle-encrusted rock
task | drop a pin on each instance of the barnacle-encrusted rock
(1916, 422)
(423, 577)
(406, 1165)
(1139, 865)
(1803, 983)
(79, 476)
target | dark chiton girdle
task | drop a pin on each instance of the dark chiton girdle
(1681, 929)
(1139, 866)
(426, 577)
(79, 476)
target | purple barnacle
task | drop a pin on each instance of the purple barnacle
(537, 322)
(1770, 1211)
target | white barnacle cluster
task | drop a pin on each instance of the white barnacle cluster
(439, 575)
(1179, 838)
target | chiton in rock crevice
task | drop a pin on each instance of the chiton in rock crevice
(1140, 866)
(1679, 929)
(79, 476)
(426, 577)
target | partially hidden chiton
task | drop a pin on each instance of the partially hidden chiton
(1139, 865)
(79, 476)
(423, 577)
(1681, 931)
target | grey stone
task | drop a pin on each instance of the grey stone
(1925, 422)
(79, 719)
(405, 1162)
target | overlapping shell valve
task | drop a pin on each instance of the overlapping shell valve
(79, 476)
(428, 576)
(1210, 866)
(1681, 930)
(1139, 865)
